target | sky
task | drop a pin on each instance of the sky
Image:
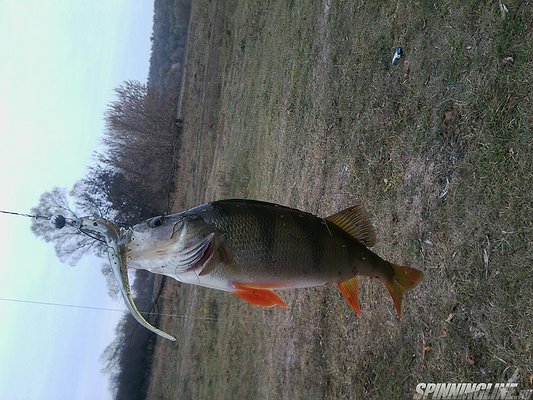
(59, 63)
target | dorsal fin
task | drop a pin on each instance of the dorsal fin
(354, 221)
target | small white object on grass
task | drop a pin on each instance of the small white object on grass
(397, 55)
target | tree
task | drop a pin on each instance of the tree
(132, 181)
(113, 288)
(142, 140)
(140, 113)
(89, 194)
(69, 244)
(116, 196)
(127, 360)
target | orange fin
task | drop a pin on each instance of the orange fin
(355, 222)
(350, 288)
(404, 278)
(259, 297)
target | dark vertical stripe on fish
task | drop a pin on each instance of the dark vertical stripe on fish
(319, 246)
(267, 231)
(308, 229)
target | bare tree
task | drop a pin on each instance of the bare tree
(127, 360)
(132, 181)
(113, 289)
(142, 138)
(139, 110)
(115, 196)
(89, 195)
(69, 244)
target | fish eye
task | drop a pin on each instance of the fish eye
(155, 222)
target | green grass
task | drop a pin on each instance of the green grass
(297, 103)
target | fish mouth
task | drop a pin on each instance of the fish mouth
(116, 240)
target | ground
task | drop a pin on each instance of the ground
(297, 103)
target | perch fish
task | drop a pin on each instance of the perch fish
(252, 248)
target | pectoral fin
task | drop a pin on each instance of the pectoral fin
(259, 297)
(350, 290)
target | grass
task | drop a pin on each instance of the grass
(297, 103)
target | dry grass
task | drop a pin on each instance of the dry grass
(297, 103)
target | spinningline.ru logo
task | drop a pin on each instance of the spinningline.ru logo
(480, 391)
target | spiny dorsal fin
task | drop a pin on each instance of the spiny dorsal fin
(354, 221)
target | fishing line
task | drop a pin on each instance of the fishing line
(57, 221)
(25, 215)
(45, 303)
